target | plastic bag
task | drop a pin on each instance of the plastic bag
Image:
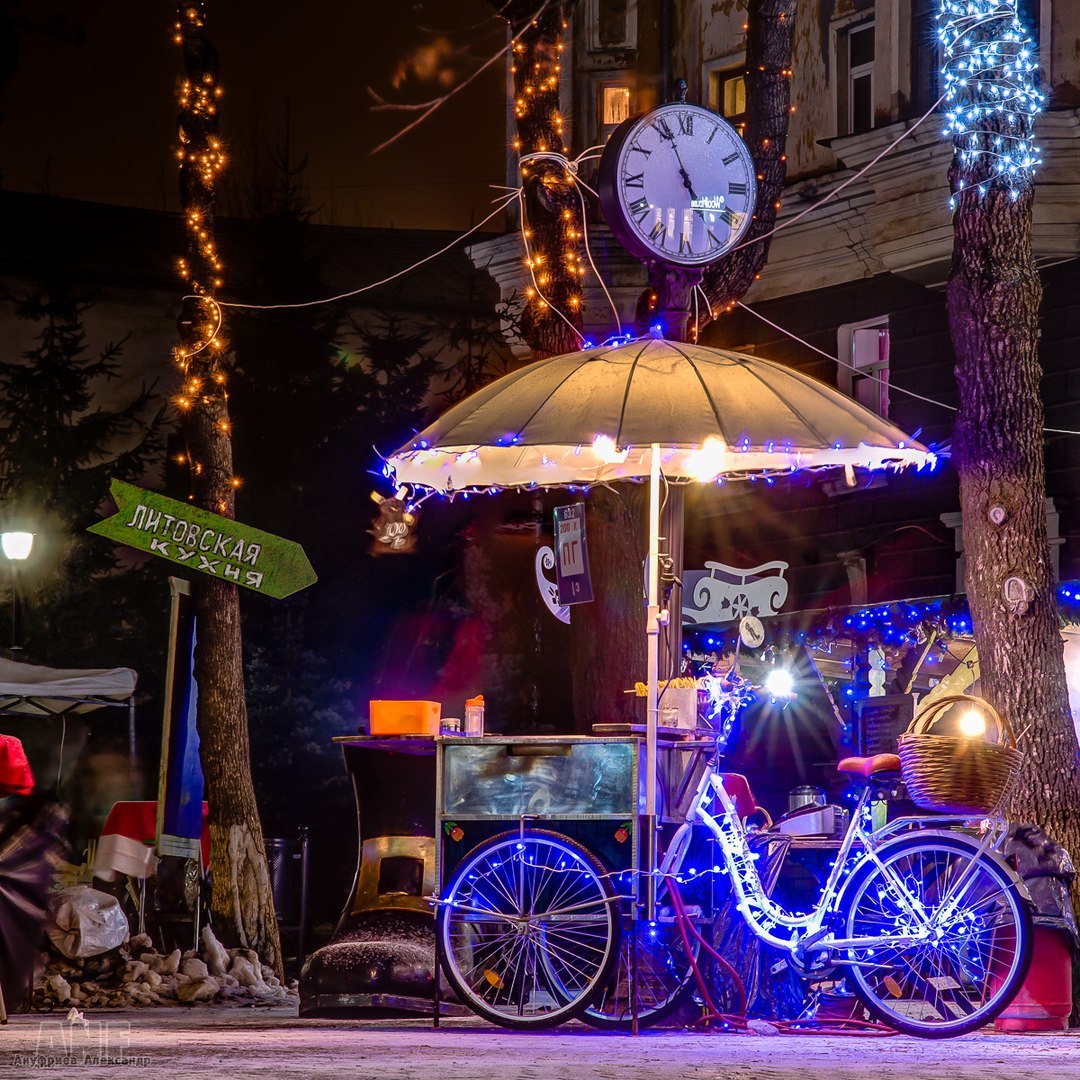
(86, 922)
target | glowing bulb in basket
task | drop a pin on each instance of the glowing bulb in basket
(973, 723)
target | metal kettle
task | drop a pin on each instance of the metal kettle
(806, 795)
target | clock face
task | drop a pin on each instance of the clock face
(677, 184)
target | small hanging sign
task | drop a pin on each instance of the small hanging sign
(571, 555)
(393, 530)
(549, 591)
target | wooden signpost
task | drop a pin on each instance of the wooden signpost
(208, 543)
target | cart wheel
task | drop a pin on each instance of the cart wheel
(664, 974)
(971, 965)
(529, 929)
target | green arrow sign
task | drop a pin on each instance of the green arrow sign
(206, 542)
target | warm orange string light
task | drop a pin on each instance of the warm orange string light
(536, 91)
(201, 152)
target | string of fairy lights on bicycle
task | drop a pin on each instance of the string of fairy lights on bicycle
(739, 861)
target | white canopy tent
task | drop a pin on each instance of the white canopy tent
(31, 690)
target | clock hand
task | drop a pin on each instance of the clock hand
(682, 170)
(670, 136)
(686, 181)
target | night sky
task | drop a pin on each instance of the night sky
(88, 109)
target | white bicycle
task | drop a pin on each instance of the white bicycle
(929, 924)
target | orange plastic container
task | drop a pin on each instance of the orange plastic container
(404, 717)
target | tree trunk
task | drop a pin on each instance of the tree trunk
(550, 202)
(770, 32)
(607, 636)
(994, 294)
(241, 903)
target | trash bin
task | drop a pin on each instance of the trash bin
(1044, 1001)
(287, 861)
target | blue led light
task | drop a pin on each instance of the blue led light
(990, 76)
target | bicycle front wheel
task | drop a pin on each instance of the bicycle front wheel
(974, 928)
(529, 929)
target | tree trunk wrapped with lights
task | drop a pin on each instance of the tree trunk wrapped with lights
(770, 26)
(606, 641)
(242, 902)
(551, 207)
(994, 295)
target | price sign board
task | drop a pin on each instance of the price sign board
(572, 555)
(880, 721)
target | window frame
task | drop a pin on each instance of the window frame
(630, 39)
(847, 379)
(716, 74)
(839, 69)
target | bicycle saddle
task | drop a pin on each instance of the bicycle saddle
(870, 766)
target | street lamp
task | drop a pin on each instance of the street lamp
(16, 547)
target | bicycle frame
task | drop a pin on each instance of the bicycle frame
(788, 930)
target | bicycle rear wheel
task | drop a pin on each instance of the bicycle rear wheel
(529, 929)
(968, 967)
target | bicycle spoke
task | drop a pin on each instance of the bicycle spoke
(961, 975)
(551, 936)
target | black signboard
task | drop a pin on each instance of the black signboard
(879, 721)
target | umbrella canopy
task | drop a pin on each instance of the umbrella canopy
(595, 415)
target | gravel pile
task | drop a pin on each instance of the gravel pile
(136, 975)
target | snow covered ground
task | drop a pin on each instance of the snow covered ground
(271, 1042)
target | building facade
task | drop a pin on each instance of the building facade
(853, 291)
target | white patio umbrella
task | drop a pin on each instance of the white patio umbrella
(649, 408)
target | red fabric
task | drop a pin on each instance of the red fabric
(16, 776)
(139, 821)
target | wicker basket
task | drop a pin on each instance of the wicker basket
(958, 774)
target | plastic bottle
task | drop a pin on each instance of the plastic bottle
(474, 715)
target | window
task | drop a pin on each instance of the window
(612, 107)
(863, 372)
(856, 83)
(727, 96)
(612, 25)
(614, 104)
(925, 55)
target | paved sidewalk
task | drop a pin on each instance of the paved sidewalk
(235, 1042)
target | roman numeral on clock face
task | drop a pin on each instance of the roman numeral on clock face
(639, 208)
(729, 217)
(658, 231)
(686, 123)
(634, 180)
(733, 156)
(663, 130)
(736, 188)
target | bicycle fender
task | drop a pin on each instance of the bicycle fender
(953, 837)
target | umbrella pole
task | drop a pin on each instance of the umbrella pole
(652, 630)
